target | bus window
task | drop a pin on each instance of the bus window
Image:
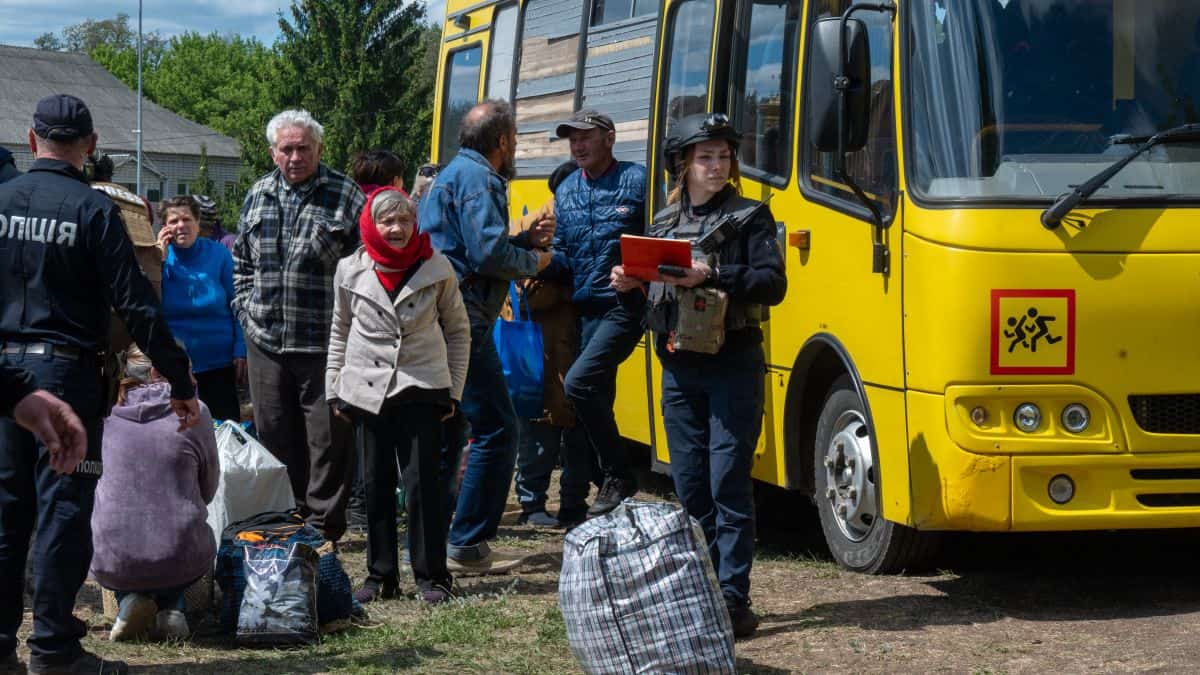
(762, 83)
(873, 167)
(503, 51)
(610, 11)
(690, 40)
(462, 91)
(546, 82)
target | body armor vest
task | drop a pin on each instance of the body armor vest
(706, 311)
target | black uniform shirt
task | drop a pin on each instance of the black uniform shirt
(65, 258)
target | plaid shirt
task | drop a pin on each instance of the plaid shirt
(289, 243)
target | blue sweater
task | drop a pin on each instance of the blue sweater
(592, 215)
(197, 288)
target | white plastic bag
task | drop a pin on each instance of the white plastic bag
(638, 594)
(252, 480)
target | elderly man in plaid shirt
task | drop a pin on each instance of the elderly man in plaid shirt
(296, 223)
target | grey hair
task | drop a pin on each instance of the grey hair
(294, 118)
(137, 365)
(482, 131)
(390, 201)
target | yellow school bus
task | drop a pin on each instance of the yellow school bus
(990, 325)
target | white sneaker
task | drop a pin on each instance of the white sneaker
(134, 619)
(172, 623)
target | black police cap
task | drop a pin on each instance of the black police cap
(62, 117)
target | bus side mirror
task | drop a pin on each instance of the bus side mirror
(839, 98)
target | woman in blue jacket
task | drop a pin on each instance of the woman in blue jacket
(197, 289)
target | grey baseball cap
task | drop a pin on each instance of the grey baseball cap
(583, 120)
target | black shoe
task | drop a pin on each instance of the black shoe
(569, 519)
(86, 663)
(373, 590)
(744, 620)
(436, 594)
(611, 494)
(11, 665)
(537, 518)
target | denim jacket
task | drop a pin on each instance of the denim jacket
(465, 213)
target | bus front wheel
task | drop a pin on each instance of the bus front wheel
(847, 492)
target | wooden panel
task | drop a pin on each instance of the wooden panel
(542, 58)
(550, 108)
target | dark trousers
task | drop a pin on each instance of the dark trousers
(713, 417)
(218, 389)
(61, 507)
(542, 446)
(605, 341)
(494, 433)
(407, 436)
(294, 422)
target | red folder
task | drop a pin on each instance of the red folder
(641, 256)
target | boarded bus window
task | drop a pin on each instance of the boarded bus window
(691, 38)
(610, 11)
(762, 82)
(462, 92)
(503, 49)
(873, 167)
(546, 79)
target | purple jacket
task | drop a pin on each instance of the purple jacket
(149, 526)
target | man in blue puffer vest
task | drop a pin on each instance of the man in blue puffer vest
(595, 205)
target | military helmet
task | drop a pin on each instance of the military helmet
(695, 129)
(208, 211)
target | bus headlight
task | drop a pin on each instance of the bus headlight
(1076, 418)
(1028, 417)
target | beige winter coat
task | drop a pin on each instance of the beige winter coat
(379, 347)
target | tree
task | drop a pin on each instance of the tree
(221, 82)
(110, 42)
(361, 68)
(203, 183)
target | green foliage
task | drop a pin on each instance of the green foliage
(362, 68)
(203, 183)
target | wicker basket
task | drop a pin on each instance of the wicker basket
(198, 596)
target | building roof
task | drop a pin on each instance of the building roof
(27, 75)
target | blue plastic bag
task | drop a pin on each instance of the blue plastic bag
(521, 349)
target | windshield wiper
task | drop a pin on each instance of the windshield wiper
(1052, 217)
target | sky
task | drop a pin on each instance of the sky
(21, 21)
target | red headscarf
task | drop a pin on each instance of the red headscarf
(395, 260)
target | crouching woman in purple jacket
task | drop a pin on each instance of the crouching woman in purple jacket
(398, 351)
(149, 526)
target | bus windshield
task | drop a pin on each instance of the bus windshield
(1026, 99)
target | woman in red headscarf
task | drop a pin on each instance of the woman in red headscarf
(398, 352)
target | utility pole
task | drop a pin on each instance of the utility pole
(138, 131)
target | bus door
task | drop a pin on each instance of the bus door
(478, 49)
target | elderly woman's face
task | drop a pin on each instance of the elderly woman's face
(183, 225)
(296, 153)
(396, 227)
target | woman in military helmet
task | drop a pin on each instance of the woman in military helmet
(706, 323)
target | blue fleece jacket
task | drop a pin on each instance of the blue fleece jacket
(197, 289)
(592, 214)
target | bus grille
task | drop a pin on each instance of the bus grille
(1167, 413)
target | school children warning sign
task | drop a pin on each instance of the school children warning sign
(1033, 331)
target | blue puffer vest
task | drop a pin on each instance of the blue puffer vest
(592, 215)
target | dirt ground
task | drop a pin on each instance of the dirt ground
(1101, 602)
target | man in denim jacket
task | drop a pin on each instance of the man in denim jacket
(466, 215)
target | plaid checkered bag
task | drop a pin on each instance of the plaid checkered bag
(639, 595)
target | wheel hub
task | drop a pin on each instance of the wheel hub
(850, 476)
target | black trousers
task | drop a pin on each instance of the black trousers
(61, 506)
(218, 389)
(295, 424)
(408, 437)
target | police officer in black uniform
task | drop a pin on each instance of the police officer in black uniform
(714, 372)
(64, 260)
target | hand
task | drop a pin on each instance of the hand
(453, 409)
(622, 283)
(693, 276)
(336, 410)
(188, 412)
(52, 421)
(239, 369)
(542, 233)
(544, 258)
(165, 235)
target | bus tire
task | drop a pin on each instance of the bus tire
(846, 484)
